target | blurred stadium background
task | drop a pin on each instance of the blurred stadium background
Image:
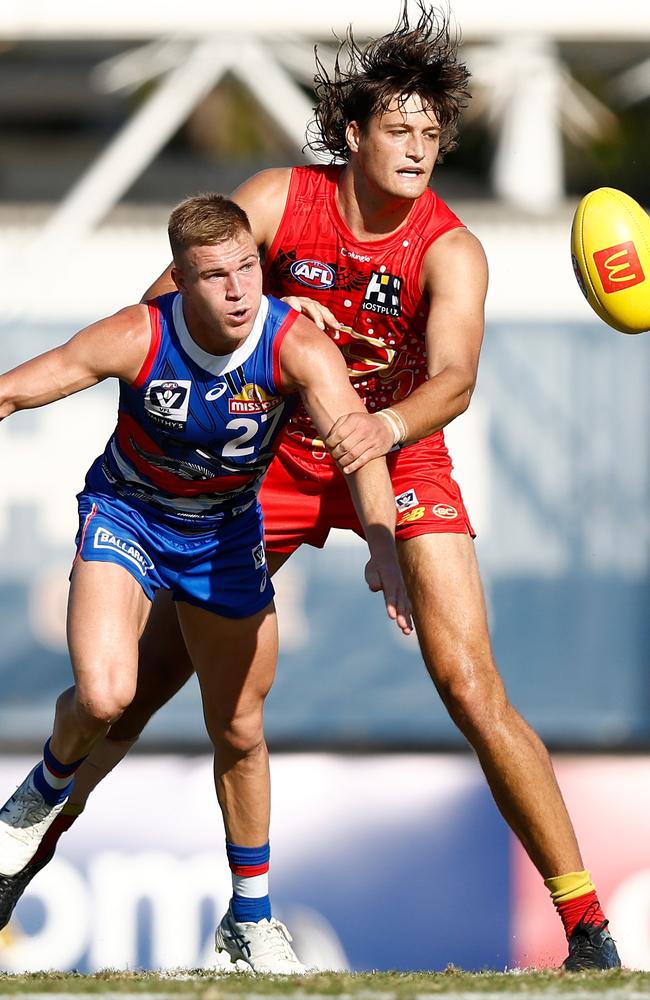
(110, 115)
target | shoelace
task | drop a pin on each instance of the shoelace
(278, 941)
(586, 918)
(582, 939)
(26, 804)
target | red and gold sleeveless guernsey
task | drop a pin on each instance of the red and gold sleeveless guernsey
(374, 291)
(372, 288)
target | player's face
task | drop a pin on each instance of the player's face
(222, 290)
(396, 151)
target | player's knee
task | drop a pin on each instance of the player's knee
(242, 735)
(104, 704)
(476, 702)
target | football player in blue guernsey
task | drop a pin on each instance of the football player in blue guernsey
(208, 375)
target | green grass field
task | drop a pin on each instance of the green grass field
(365, 986)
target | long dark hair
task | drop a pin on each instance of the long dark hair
(420, 59)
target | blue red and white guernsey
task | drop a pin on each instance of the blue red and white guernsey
(195, 431)
(173, 498)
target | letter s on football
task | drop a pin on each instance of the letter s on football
(610, 249)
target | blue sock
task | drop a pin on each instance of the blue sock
(250, 901)
(54, 779)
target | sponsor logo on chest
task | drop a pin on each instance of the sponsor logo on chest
(167, 401)
(363, 258)
(216, 392)
(383, 294)
(253, 399)
(313, 273)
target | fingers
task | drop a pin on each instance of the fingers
(399, 611)
(317, 313)
(349, 445)
(313, 312)
(337, 432)
(356, 438)
(398, 607)
(330, 318)
(349, 463)
(404, 616)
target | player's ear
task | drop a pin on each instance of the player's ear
(177, 278)
(352, 136)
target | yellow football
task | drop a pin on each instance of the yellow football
(610, 249)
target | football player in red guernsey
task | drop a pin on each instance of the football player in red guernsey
(370, 252)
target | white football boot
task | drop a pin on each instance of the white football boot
(24, 820)
(264, 947)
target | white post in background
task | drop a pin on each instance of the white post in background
(137, 144)
(528, 167)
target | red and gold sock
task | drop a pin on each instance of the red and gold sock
(575, 899)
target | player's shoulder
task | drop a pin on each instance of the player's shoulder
(459, 242)
(130, 330)
(303, 338)
(271, 183)
(134, 320)
(116, 345)
(263, 197)
(454, 260)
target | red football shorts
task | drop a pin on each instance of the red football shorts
(303, 497)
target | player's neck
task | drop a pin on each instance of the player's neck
(370, 214)
(208, 337)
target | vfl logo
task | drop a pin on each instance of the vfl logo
(406, 500)
(619, 267)
(313, 273)
(444, 510)
(167, 401)
(216, 391)
(259, 556)
(127, 547)
(383, 294)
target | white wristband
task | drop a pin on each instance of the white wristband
(396, 424)
(402, 425)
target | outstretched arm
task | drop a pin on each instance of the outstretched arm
(311, 364)
(114, 346)
(455, 280)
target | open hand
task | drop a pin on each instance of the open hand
(384, 574)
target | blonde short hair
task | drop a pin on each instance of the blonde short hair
(205, 220)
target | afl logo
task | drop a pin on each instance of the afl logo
(313, 273)
(444, 510)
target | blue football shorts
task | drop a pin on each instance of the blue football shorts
(222, 570)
